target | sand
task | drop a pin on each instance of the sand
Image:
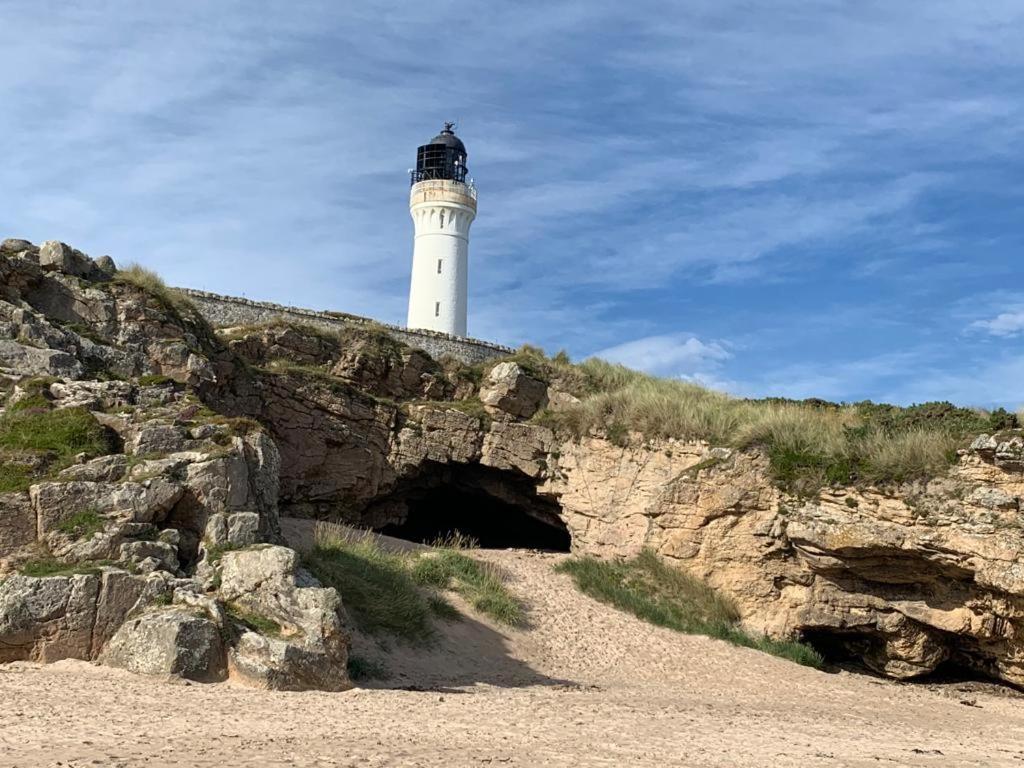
(584, 685)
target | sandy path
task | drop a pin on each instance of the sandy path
(585, 685)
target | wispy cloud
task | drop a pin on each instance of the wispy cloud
(1006, 324)
(679, 166)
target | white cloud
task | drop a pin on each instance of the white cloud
(672, 354)
(1009, 323)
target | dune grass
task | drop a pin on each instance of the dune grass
(811, 444)
(379, 593)
(399, 594)
(150, 282)
(479, 583)
(667, 597)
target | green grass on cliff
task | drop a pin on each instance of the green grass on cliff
(64, 432)
(398, 594)
(811, 443)
(667, 597)
(35, 439)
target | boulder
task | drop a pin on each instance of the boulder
(47, 619)
(157, 439)
(280, 665)
(13, 245)
(22, 360)
(164, 555)
(50, 618)
(105, 469)
(509, 389)
(106, 265)
(55, 256)
(311, 649)
(140, 502)
(175, 641)
(94, 395)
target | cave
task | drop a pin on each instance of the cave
(499, 509)
(840, 650)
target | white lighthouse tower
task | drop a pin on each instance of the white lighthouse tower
(443, 205)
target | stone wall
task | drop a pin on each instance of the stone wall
(222, 311)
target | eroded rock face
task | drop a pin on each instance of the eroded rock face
(169, 642)
(178, 484)
(904, 579)
(311, 650)
(50, 618)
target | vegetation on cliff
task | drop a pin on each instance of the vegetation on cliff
(653, 591)
(810, 443)
(35, 440)
(398, 594)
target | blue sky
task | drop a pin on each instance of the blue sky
(807, 199)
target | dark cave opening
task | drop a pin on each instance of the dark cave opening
(499, 509)
(838, 649)
(846, 651)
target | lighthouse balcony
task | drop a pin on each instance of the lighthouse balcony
(443, 190)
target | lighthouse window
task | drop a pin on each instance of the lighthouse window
(439, 266)
(437, 309)
(442, 219)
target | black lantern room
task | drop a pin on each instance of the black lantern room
(443, 158)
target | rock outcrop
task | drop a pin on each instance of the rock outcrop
(119, 488)
(171, 535)
(310, 649)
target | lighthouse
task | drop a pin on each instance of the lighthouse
(442, 203)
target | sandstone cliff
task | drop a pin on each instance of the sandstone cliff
(211, 434)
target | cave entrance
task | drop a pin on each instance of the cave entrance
(499, 509)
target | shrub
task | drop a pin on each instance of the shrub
(667, 597)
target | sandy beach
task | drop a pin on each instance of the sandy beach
(583, 685)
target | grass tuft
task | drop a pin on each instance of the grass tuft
(479, 583)
(83, 525)
(64, 432)
(398, 593)
(149, 281)
(379, 594)
(15, 478)
(51, 566)
(254, 621)
(655, 592)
